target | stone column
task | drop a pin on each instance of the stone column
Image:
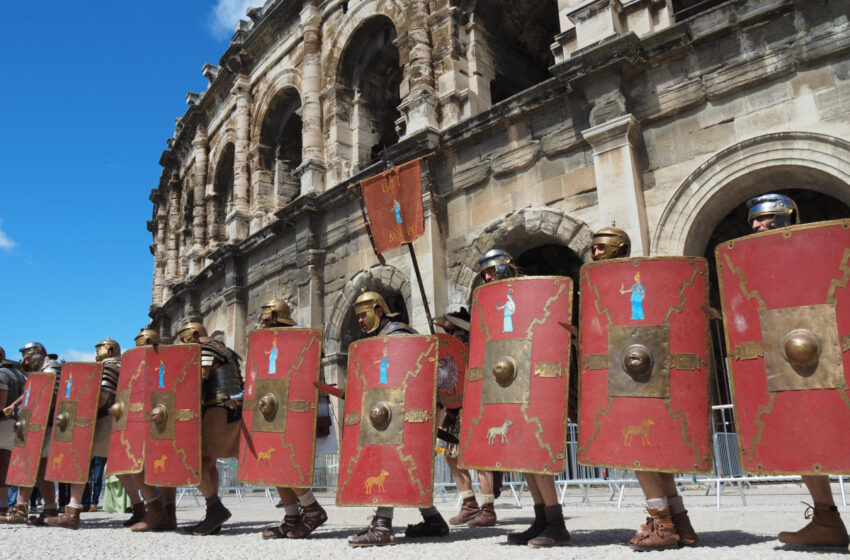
(237, 219)
(419, 105)
(172, 272)
(199, 211)
(236, 303)
(160, 254)
(618, 179)
(312, 168)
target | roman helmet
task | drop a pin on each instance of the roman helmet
(783, 209)
(192, 332)
(275, 313)
(366, 303)
(500, 261)
(147, 337)
(614, 241)
(33, 355)
(106, 349)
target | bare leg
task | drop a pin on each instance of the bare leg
(47, 487)
(130, 487)
(532, 487)
(147, 491)
(485, 479)
(5, 455)
(546, 488)
(461, 476)
(209, 477)
(820, 489)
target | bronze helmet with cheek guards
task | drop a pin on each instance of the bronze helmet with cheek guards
(616, 244)
(366, 303)
(147, 337)
(105, 349)
(275, 313)
(500, 261)
(192, 332)
(32, 356)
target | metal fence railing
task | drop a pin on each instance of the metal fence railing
(727, 473)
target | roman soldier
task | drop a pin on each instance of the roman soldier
(297, 522)
(108, 352)
(768, 212)
(36, 359)
(158, 512)
(668, 524)
(456, 324)
(548, 528)
(221, 394)
(12, 382)
(376, 319)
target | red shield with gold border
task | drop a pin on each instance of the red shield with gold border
(514, 415)
(644, 398)
(30, 429)
(74, 421)
(174, 378)
(786, 309)
(279, 409)
(130, 435)
(387, 452)
(451, 370)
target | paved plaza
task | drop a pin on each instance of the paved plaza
(599, 530)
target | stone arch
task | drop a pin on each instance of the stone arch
(775, 161)
(380, 278)
(221, 195)
(288, 78)
(354, 19)
(517, 232)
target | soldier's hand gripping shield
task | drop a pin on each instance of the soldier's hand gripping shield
(515, 398)
(644, 398)
(74, 422)
(30, 429)
(451, 371)
(280, 406)
(786, 311)
(130, 437)
(387, 455)
(174, 378)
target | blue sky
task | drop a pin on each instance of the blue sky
(90, 93)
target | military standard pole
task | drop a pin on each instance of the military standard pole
(421, 287)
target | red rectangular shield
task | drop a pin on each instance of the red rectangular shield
(644, 399)
(514, 415)
(130, 436)
(279, 409)
(394, 205)
(74, 423)
(30, 429)
(387, 452)
(174, 378)
(786, 310)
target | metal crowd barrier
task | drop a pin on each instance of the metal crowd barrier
(727, 473)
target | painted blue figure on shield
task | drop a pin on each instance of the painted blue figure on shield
(161, 375)
(273, 359)
(385, 365)
(68, 386)
(509, 307)
(638, 292)
(397, 210)
(27, 397)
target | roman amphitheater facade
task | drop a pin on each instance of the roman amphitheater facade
(541, 120)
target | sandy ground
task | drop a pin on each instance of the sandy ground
(599, 529)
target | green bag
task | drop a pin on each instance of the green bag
(115, 498)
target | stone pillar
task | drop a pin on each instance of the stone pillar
(236, 306)
(312, 168)
(160, 255)
(419, 104)
(172, 272)
(618, 179)
(199, 211)
(237, 218)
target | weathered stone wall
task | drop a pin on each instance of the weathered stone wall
(662, 126)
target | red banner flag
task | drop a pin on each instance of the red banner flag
(394, 205)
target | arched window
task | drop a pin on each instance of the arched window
(281, 140)
(222, 193)
(370, 77)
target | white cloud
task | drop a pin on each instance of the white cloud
(5, 241)
(74, 355)
(226, 13)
